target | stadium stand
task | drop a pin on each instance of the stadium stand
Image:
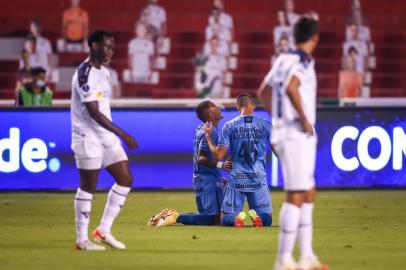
(253, 23)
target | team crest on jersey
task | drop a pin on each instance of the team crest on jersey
(248, 119)
(85, 87)
(99, 95)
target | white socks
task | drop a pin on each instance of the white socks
(115, 200)
(305, 235)
(295, 222)
(83, 205)
(289, 224)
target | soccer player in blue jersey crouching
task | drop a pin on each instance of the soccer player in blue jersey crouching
(247, 137)
(207, 179)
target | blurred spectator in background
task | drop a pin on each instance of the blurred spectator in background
(34, 93)
(224, 19)
(154, 17)
(283, 46)
(356, 16)
(24, 70)
(75, 29)
(43, 48)
(29, 57)
(282, 29)
(141, 51)
(350, 81)
(215, 28)
(291, 15)
(356, 48)
(222, 48)
(211, 76)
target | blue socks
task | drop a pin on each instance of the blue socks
(266, 219)
(228, 219)
(197, 219)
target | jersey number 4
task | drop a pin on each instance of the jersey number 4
(248, 152)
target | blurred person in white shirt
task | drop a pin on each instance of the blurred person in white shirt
(43, 48)
(141, 51)
(225, 19)
(154, 16)
(214, 71)
(360, 47)
(283, 28)
(291, 15)
(215, 28)
(283, 46)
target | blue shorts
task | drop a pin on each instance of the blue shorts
(259, 200)
(209, 203)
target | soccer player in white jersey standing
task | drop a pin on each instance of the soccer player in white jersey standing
(96, 144)
(289, 93)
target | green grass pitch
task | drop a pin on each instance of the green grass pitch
(353, 230)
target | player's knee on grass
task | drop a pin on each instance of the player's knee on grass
(266, 219)
(228, 219)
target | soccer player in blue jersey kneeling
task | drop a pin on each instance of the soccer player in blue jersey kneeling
(247, 137)
(207, 179)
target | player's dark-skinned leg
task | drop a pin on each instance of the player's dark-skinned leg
(121, 173)
(88, 180)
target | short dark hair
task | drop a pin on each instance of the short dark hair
(98, 36)
(305, 28)
(244, 99)
(37, 24)
(37, 70)
(202, 108)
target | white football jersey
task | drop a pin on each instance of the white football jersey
(294, 63)
(90, 84)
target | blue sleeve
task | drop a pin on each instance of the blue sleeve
(203, 146)
(225, 137)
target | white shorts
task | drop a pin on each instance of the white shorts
(93, 155)
(297, 155)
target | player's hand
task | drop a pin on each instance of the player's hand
(208, 128)
(308, 128)
(130, 141)
(228, 165)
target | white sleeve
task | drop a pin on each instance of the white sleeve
(297, 70)
(269, 77)
(88, 90)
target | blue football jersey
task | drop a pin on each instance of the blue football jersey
(205, 179)
(247, 138)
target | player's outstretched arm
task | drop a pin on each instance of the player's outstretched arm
(264, 93)
(218, 151)
(293, 93)
(205, 160)
(102, 120)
